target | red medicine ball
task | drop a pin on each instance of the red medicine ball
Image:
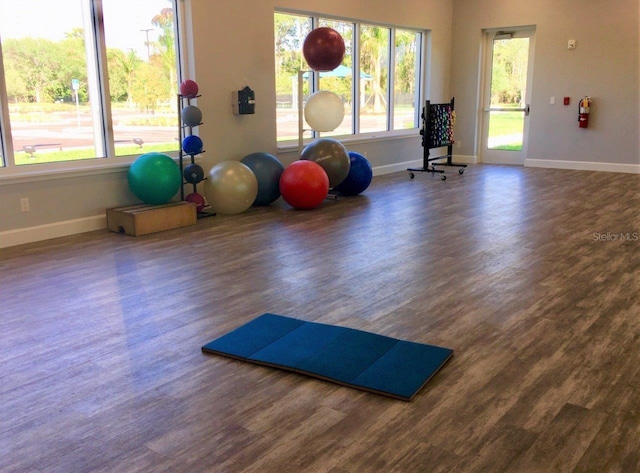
(197, 199)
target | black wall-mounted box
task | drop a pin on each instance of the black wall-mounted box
(244, 102)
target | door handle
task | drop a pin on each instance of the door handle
(527, 110)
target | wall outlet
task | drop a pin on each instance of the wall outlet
(458, 144)
(24, 204)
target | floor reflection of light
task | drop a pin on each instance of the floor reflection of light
(503, 208)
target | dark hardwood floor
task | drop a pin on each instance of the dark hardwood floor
(531, 275)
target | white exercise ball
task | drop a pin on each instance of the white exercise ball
(324, 111)
(231, 187)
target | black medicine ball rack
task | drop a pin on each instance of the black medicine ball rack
(184, 131)
(437, 131)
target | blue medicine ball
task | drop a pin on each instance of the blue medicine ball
(192, 145)
(193, 173)
(359, 177)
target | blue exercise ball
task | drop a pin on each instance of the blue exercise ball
(268, 170)
(359, 177)
(154, 178)
(192, 144)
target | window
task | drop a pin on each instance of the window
(340, 80)
(290, 31)
(84, 79)
(384, 62)
(406, 78)
(374, 62)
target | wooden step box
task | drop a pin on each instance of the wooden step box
(137, 220)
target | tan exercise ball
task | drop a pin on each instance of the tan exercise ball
(231, 187)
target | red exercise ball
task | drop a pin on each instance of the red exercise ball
(197, 199)
(304, 185)
(323, 49)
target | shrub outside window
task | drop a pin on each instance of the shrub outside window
(85, 79)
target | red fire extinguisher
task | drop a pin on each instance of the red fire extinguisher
(583, 112)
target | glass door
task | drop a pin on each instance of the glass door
(505, 113)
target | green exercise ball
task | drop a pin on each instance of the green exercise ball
(154, 178)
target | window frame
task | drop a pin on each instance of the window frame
(10, 173)
(422, 57)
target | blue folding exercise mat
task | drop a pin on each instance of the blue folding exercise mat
(354, 358)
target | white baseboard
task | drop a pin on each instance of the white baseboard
(52, 230)
(463, 159)
(582, 166)
(397, 167)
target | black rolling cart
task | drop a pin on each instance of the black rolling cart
(437, 131)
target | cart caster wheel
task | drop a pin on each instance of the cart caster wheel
(443, 177)
(461, 171)
(412, 175)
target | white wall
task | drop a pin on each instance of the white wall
(229, 56)
(605, 65)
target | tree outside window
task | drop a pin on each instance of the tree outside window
(54, 83)
(375, 108)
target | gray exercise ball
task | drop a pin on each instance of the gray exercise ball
(332, 156)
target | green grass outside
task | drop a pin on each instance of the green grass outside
(502, 124)
(55, 156)
(509, 147)
(165, 115)
(507, 124)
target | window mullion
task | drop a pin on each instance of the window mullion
(420, 73)
(391, 79)
(314, 77)
(356, 79)
(98, 79)
(6, 144)
(181, 45)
